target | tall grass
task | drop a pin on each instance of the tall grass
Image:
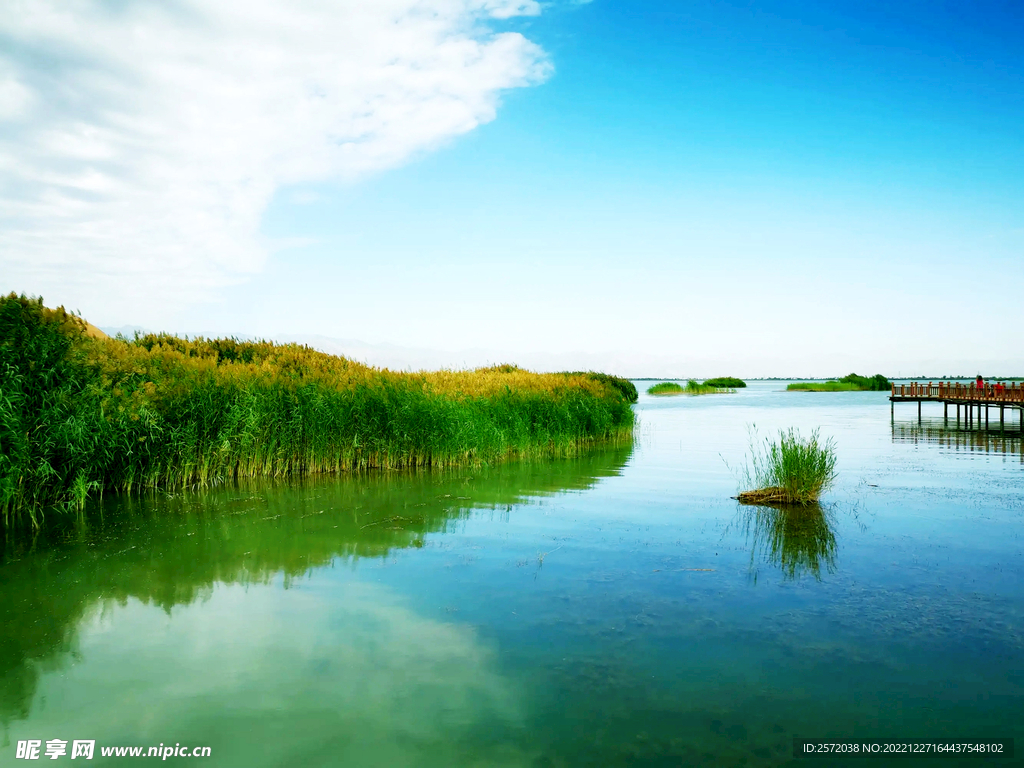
(665, 388)
(693, 387)
(849, 383)
(822, 386)
(726, 382)
(791, 470)
(625, 387)
(80, 416)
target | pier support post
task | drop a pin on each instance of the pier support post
(986, 416)
(1002, 428)
(945, 411)
(918, 411)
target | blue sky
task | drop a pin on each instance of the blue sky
(671, 189)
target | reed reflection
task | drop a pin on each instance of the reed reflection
(797, 539)
(173, 550)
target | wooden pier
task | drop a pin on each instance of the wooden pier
(970, 397)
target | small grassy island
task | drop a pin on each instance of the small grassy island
(726, 382)
(82, 414)
(666, 388)
(693, 387)
(793, 470)
(849, 383)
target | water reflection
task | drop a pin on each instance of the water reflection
(172, 551)
(796, 539)
(958, 437)
(345, 672)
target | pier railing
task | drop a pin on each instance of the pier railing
(948, 390)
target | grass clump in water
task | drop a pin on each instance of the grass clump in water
(726, 382)
(665, 388)
(792, 470)
(693, 387)
(822, 386)
(81, 414)
(849, 383)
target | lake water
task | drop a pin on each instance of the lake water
(615, 610)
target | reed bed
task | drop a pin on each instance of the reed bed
(666, 388)
(849, 383)
(822, 386)
(726, 382)
(693, 387)
(80, 416)
(791, 470)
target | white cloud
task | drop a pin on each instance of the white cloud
(506, 9)
(15, 98)
(140, 143)
(400, 688)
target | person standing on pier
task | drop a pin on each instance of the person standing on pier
(980, 383)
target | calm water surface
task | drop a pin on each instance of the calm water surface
(615, 610)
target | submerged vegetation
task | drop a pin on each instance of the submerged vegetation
(81, 415)
(726, 382)
(792, 470)
(849, 383)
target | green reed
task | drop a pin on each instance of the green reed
(822, 386)
(791, 470)
(849, 383)
(726, 382)
(80, 416)
(665, 388)
(694, 387)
